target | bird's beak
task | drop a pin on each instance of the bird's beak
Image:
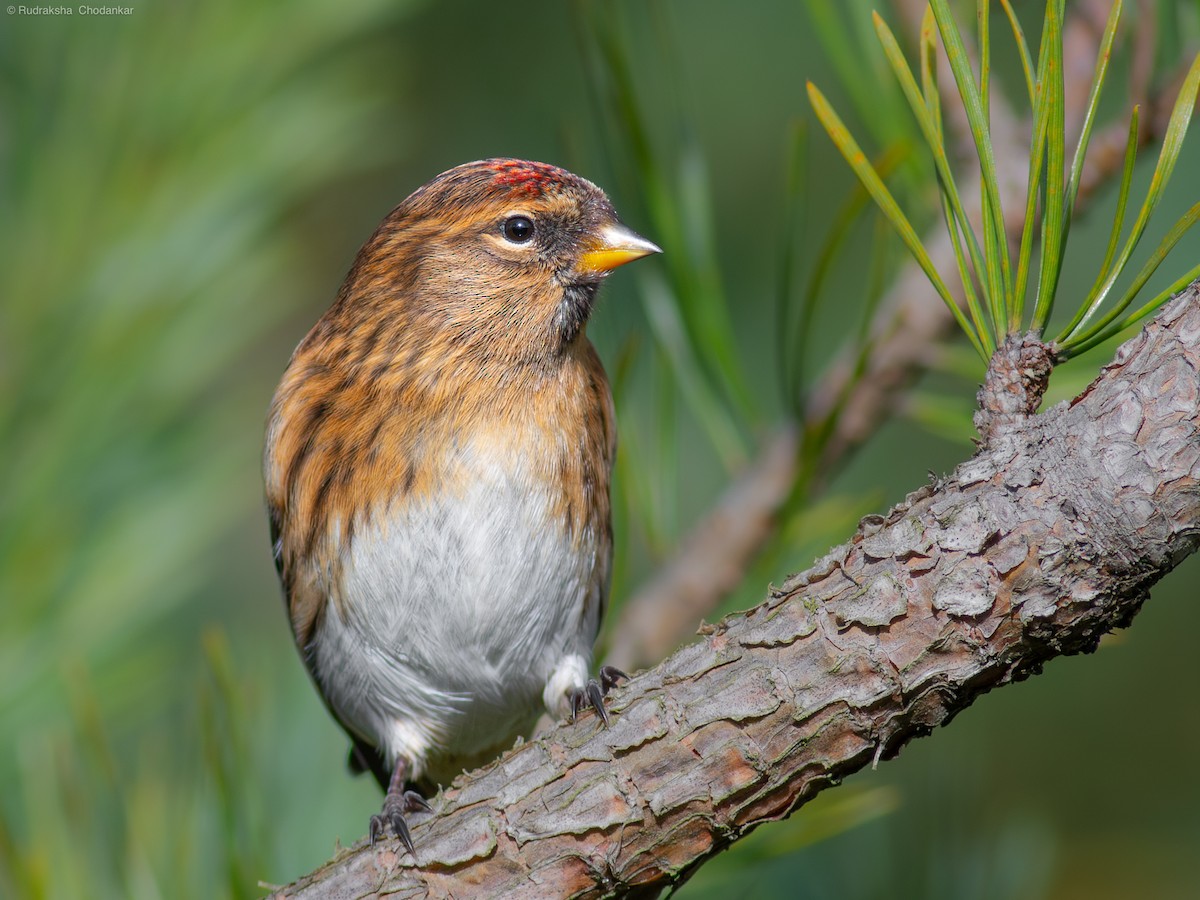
(614, 245)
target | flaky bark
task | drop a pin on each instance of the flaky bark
(1050, 536)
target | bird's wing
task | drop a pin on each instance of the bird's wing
(306, 607)
(608, 420)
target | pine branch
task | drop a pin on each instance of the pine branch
(1050, 536)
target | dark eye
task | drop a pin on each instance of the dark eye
(518, 229)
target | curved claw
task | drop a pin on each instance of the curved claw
(609, 676)
(392, 815)
(413, 800)
(594, 692)
(595, 697)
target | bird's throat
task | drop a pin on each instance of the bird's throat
(573, 310)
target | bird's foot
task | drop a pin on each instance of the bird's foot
(398, 803)
(593, 693)
(395, 807)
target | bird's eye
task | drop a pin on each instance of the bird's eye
(518, 229)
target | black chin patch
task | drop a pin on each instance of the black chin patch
(574, 309)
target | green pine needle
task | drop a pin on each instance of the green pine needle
(1181, 116)
(998, 309)
(874, 185)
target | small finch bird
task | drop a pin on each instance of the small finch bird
(437, 466)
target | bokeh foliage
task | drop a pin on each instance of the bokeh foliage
(182, 190)
(151, 168)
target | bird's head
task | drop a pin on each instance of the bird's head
(506, 255)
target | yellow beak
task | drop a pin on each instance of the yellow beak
(614, 245)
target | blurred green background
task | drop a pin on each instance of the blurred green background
(183, 190)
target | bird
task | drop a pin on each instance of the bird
(437, 464)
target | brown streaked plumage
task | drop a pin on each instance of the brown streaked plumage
(437, 468)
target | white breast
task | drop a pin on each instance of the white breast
(460, 608)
